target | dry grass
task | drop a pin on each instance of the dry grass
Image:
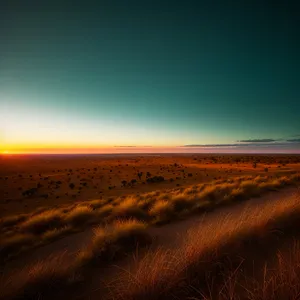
(278, 280)
(129, 207)
(176, 274)
(12, 220)
(79, 216)
(39, 280)
(281, 282)
(181, 272)
(162, 211)
(155, 207)
(15, 244)
(55, 233)
(104, 211)
(163, 273)
(42, 222)
(96, 203)
(112, 241)
(57, 273)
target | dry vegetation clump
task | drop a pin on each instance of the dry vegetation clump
(210, 192)
(113, 240)
(250, 187)
(129, 207)
(146, 201)
(12, 220)
(40, 223)
(40, 280)
(182, 202)
(15, 244)
(104, 211)
(96, 203)
(57, 273)
(182, 272)
(162, 211)
(79, 216)
(55, 233)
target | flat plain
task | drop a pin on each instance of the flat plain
(62, 179)
(68, 221)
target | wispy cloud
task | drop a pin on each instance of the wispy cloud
(211, 145)
(132, 146)
(258, 141)
(253, 144)
(294, 140)
(124, 146)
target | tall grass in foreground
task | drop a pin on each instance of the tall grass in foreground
(39, 280)
(279, 282)
(114, 240)
(182, 273)
(42, 279)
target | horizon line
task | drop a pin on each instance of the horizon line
(150, 153)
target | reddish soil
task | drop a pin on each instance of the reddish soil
(98, 176)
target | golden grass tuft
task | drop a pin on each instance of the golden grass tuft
(12, 220)
(104, 211)
(45, 221)
(129, 207)
(182, 202)
(14, 244)
(96, 203)
(162, 211)
(39, 280)
(112, 241)
(54, 234)
(79, 216)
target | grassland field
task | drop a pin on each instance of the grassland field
(120, 197)
(52, 181)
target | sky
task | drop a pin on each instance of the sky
(121, 76)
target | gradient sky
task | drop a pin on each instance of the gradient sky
(86, 76)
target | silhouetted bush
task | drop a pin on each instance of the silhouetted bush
(155, 179)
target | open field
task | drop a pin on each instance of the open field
(124, 199)
(21, 232)
(30, 182)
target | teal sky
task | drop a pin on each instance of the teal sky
(160, 73)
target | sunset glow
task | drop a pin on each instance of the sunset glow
(89, 81)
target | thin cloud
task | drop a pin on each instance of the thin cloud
(132, 146)
(211, 145)
(124, 146)
(246, 145)
(258, 141)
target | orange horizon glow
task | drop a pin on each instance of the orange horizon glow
(87, 150)
(7, 149)
(135, 150)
